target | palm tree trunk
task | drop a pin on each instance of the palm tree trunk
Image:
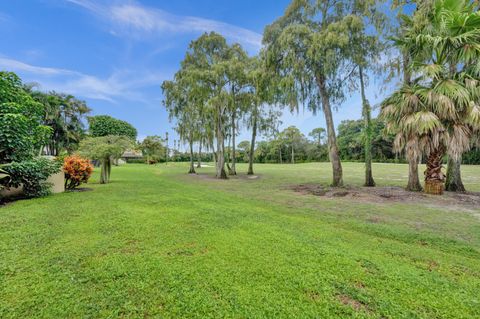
(103, 172)
(367, 115)
(332, 139)
(293, 155)
(252, 147)
(413, 179)
(199, 160)
(454, 176)
(434, 177)
(109, 169)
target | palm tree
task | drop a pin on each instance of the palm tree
(436, 114)
(65, 115)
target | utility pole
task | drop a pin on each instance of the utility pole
(166, 149)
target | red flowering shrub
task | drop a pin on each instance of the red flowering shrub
(77, 171)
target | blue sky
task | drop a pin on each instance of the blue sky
(115, 54)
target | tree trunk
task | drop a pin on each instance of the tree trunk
(332, 139)
(413, 179)
(229, 156)
(192, 168)
(166, 150)
(221, 173)
(280, 155)
(103, 171)
(252, 147)
(214, 156)
(454, 176)
(367, 116)
(434, 177)
(293, 155)
(199, 160)
(109, 169)
(234, 157)
(407, 74)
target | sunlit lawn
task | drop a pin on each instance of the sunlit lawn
(159, 243)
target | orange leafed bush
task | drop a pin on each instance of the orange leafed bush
(77, 171)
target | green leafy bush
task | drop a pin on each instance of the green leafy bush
(22, 133)
(32, 175)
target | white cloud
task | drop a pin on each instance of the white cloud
(120, 84)
(14, 65)
(136, 20)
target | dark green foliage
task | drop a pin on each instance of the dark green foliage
(21, 134)
(32, 175)
(135, 161)
(103, 125)
(152, 149)
(351, 141)
(472, 157)
(65, 115)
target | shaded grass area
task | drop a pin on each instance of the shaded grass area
(159, 243)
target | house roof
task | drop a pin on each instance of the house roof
(132, 154)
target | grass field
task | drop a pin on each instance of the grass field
(159, 243)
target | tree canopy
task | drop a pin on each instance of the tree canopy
(104, 125)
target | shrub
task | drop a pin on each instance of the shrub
(135, 161)
(22, 133)
(32, 175)
(77, 171)
(152, 161)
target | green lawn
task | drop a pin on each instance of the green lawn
(159, 243)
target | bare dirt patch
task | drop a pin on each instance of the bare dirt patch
(469, 201)
(355, 304)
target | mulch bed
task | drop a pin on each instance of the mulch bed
(468, 200)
